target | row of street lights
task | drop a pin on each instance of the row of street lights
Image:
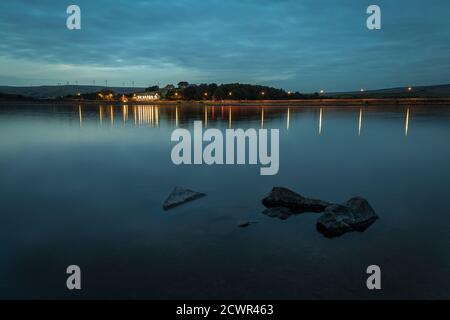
(363, 90)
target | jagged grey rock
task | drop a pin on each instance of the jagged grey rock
(354, 215)
(179, 196)
(283, 197)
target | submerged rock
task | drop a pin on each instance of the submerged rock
(283, 197)
(243, 224)
(279, 212)
(179, 196)
(354, 215)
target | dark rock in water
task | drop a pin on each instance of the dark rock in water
(244, 224)
(279, 212)
(283, 197)
(179, 196)
(354, 215)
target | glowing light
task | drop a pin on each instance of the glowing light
(230, 93)
(229, 118)
(410, 89)
(321, 91)
(206, 117)
(362, 90)
(176, 116)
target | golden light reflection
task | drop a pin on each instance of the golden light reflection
(111, 114)
(229, 118)
(360, 122)
(176, 116)
(320, 121)
(407, 123)
(125, 113)
(148, 115)
(100, 112)
(80, 115)
(262, 118)
(288, 119)
(206, 117)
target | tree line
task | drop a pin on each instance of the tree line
(231, 91)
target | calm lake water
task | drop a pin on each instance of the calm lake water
(85, 185)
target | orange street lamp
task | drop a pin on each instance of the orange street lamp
(263, 93)
(230, 93)
(206, 93)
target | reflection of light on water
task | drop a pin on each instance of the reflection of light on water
(407, 122)
(320, 121)
(287, 120)
(125, 113)
(262, 118)
(148, 115)
(111, 114)
(229, 117)
(80, 115)
(206, 117)
(360, 122)
(176, 116)
(100, 112)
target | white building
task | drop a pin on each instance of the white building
(146, 96)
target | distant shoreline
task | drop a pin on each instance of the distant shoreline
(299, 102)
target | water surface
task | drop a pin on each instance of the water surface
(84, 184)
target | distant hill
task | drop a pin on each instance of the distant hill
(42, 92)
(13, 97)
(50, 92)
(437, 91)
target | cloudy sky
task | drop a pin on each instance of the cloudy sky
(303, 45)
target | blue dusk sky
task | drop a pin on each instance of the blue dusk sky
(303, 45)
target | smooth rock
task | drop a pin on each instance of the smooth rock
(179, 196)
(283, 197)
(354, 215)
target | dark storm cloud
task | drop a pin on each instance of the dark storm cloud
(303, 45)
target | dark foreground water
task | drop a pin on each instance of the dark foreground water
(85, 185)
